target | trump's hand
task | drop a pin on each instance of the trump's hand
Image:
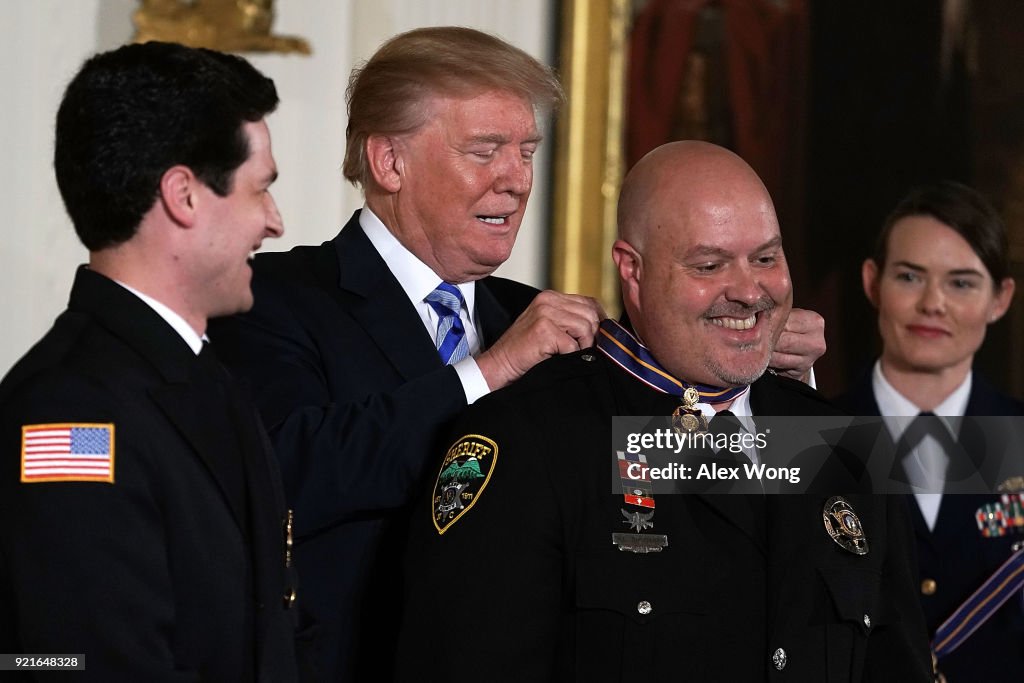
(553, 323)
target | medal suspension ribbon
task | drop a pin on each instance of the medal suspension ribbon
(626, 351)
(1006, 582)
(994, 520)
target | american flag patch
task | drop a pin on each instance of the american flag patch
(67, 452)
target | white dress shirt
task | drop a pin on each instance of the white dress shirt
(898, 412)
(417, 281)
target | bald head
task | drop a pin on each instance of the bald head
(687, 176)
(704, 278)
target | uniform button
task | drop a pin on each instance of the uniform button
(587, 357)
(644, 607)
(867, 621)
(779, 659)
(289, 598)
(928, 587)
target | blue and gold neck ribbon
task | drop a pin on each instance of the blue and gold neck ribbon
(1005, 583)
(626, 351)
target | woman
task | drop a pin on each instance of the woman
(939, 277)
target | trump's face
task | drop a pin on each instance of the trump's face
(465, 177)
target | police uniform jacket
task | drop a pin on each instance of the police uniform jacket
(527, 586)
(354, 396)
(954, 559)
(175, 570)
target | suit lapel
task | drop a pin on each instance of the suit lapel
(984, 400)
(363, 285)
(494, 318)
(350, 268)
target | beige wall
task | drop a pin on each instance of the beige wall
(43, 42)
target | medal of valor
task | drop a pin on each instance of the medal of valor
(689, 417)
(625, 350)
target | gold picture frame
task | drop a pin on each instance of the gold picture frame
(589, 153)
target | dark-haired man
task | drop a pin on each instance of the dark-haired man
(145, 528)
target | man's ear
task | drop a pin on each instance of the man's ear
(382, 153)
(629, 263)
(178, 187)
(869, 279)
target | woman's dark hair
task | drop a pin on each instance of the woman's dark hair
(966, 212)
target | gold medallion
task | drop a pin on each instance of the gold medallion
(685, 419)
(690, 397)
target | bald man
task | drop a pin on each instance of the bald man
(529, 566)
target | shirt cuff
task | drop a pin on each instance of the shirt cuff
(810, 379)
(473, 382)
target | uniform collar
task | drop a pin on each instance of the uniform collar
(898, 411)
(177, 323)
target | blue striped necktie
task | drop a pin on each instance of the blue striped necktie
(451, 342)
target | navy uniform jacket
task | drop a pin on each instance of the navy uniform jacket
(527, 585)
(175, 571)
(353, 393)
(958, 558)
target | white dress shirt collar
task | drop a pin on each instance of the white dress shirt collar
(898, 410)
(415, 277)
(417, 281)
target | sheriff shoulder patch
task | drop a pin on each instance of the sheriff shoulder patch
(67, 452)
(464, 474)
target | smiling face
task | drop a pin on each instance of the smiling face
(234, 226)
(704, 277)
(934, 296)
(465, 177)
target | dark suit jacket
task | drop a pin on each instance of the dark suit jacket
(354, 394)
(176, 570)
(527, 585)
(958, 558)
